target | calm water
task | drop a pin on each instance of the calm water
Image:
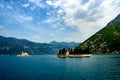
(49, 67)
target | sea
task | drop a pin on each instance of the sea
(50, 67)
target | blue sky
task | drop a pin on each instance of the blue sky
(59, 20)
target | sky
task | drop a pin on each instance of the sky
(55, 20)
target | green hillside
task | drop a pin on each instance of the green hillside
(107, 40)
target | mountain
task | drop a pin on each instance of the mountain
(107, 40)
(64, 44)
(13, 46)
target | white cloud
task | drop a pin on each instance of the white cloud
(49, 20)
(33, 7)
(23, 18)
(49, 2)
(70, 20)
(9, 7)
(61, 29)
(85, 17)
(89, 17)
(60, 12)
(36, 38)
(38, 3)
(55, 4)
(54, 25)
(26, 5)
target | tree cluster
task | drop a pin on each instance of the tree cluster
(62, 51)
(75, 51)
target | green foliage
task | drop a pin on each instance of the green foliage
(107, 40)
(75, 51)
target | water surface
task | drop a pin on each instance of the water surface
(49, 67)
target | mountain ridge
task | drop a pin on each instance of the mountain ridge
(13, 46)
(106, 40)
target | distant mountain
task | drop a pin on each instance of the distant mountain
(64, 44)
(13, 46)
(107, 40)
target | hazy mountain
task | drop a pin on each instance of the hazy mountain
(13, 46)
(64, 44)
(107, 40)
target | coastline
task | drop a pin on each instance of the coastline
(74, 56)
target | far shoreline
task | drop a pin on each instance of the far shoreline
(57, 54)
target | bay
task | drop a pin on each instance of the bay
(50, 67)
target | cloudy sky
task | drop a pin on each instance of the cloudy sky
(59, 20)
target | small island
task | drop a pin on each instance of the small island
(23, 54)
(73, 53)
